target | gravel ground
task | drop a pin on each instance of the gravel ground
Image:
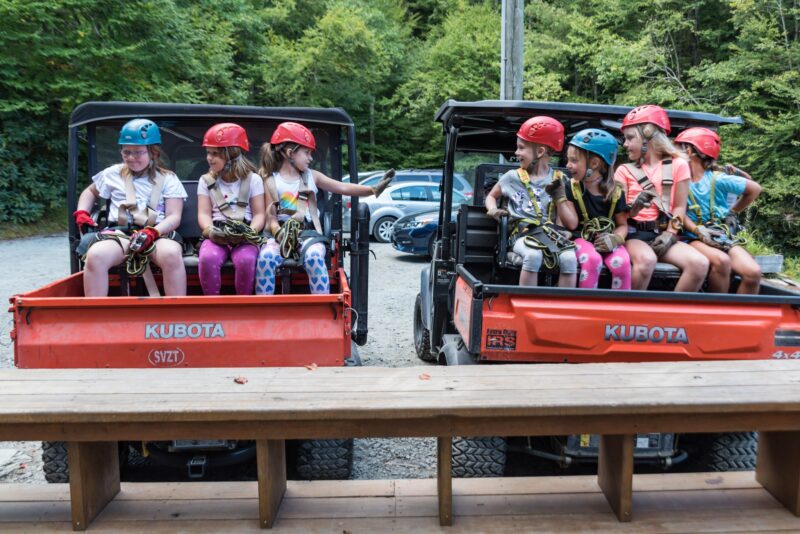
(394, 283)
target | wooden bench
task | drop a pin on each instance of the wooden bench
(94, 409)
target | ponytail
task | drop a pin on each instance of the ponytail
(607, 184)
(273, 156)
(657, 140)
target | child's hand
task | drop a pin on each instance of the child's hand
(642, 201)
(605, 243)
(383, 183)
(556, 190)
(663, 242)
(82, 219)
(497, 213)
(150, 235)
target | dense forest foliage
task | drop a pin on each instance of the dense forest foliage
(391, 64)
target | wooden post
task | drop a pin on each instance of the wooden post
(615, 473)
(271, 460)
(444, 479)
(93, 479)
(512, 49)
(778, 467)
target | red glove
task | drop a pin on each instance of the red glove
(83, 218)
(151, 235)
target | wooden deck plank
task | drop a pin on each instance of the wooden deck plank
(336, 381)
(691, 504)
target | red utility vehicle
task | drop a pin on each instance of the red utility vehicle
(57, 327)
(471, 310)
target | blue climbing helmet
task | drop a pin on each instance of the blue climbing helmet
(139, 132)
(597, 142)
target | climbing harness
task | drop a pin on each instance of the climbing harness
(595, 225)
(129, 212)
(137, 260)
(288, 237)
(726, 237)
(540, 233)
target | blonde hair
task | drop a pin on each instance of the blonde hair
(709, 164)
(155, 165)
(657, 140)
(240, 167)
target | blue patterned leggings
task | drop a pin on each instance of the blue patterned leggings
(269, 259)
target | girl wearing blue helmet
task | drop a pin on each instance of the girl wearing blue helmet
(596, 211)
(146, 201)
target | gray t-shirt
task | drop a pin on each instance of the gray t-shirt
(520, 205)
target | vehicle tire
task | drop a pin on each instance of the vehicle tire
(56, 468)
(422, 336)
(479, 457)
(324, 459)
(432, 245)
(732, 451)
(382, 231)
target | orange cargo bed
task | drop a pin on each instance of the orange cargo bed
(57, 327)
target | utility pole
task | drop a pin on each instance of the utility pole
(511, 49)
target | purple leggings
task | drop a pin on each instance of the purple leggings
(591, 263)
(212, 256)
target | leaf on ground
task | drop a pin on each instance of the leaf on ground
(424, 376)
(311, 366)
(240, 380)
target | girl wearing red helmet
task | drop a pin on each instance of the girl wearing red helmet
(711, 225)
(656, 186)
(293, 218)
(230, 210)
(530, 193)
(146, 203)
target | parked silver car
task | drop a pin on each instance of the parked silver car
(397, 201)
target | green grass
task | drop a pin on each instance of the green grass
(53, 222)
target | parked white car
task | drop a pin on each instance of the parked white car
(398, 200)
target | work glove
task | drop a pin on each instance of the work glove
(497, 213)
(732, 170)
(383, 183)
(643, 200)
(142, 239)
(556, 190)
(732, 221)
(216, 235)
(607, 242)
(83, 219)
(663, 242)
(706, 236)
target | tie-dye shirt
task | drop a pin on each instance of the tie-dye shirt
(288, 192)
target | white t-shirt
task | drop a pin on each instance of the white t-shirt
(111, 185)
(230, 192)
(288, 192)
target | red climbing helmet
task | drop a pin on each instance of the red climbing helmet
(544, 131)
(226, 134)
(649, 113)
(703, 140)
(293, 132)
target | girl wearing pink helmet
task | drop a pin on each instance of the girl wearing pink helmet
(656, 186)
(230, 210)
(533, 194)
(292, 215)
(711, 225)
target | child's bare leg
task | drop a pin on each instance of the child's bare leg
(102, 256)
(694, 266)
(745, 266)
(168, 255)
(719, 276)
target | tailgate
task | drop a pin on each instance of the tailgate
(516, 324)
(55, 327)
